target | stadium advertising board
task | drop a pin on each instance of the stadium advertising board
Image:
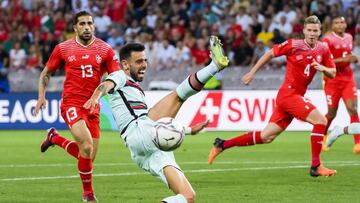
(227, 110)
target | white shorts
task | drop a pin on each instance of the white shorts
(143, 151)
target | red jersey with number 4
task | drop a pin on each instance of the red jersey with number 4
(340, 47)
(299, 72)
(84, 67)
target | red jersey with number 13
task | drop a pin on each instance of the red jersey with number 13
(299, 72)
(84, 67)
(340, 47)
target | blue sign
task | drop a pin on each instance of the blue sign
(16, 112)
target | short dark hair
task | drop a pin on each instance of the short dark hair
(125, 51)
(79, 14)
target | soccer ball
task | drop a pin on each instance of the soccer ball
(169, 134)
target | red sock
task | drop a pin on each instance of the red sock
(355, 119)
(316, 143)
(250, 138)
(70, 146)
(85, 170)
(328, 123)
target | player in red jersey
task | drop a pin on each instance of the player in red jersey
(304, 59)
(343, 85)
(86, 59)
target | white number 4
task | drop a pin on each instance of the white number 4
(307, 70)
(87, 71)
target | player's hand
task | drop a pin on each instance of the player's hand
(40, 104)
(91, 104)
(199, 126)
(317, 66)
(352, 59)
(247, 78)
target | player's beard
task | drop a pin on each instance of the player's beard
(135, 74)
(85, 38)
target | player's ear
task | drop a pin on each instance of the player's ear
(124, 65)
(74, 28)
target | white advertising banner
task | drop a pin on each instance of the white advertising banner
(242, 110)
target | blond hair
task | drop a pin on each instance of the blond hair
(312, 20)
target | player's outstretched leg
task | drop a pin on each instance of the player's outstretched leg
(195, 82)
(246, 139)
(54, 138)
(321, 170)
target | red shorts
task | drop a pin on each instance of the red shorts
(337, 89)
(72, 114)
(289, 107)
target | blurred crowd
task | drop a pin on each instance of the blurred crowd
(175, 32)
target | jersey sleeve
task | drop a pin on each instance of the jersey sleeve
(54, 60)
(118, 78)
(328, 59)
(112, 62)
(283, 48)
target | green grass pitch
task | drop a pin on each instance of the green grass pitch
(277, 172)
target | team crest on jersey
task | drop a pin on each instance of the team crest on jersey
(318, 58)
(71, 58)
(98, 59)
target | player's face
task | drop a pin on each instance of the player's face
(85, 28)
(311, 33)
(136, 65)
(339, 25)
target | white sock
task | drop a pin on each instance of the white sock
(179, 198)
(195, 82)
(354, 128)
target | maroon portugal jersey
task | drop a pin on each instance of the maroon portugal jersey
(340, 47)
(299, 72)
(84, 67)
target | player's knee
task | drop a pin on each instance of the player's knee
(87, 149)
(190, 196)
(268, 139)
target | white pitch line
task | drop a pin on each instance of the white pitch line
(180, 163)
(186, 171)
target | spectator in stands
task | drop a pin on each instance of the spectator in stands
(243, 19)
(182, 56)
(151, 18)
(3, 32)
(34, 62)
(103, 23)
(288, 13)
(278, 38)
(4, 65)
(265, 35)
(132, 30)
(144, 28)
(79, 5)
(115, 38)
(17, 57)
(200, 53)
(138, 9)
(260, 49)
(59, 23)
(164, 55)
(243, 54)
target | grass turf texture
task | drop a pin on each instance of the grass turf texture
(276, 172)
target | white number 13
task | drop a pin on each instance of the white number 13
(307, 70)
(87, 71)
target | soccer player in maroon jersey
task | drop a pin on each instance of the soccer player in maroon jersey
(86, 58)
(343, 85)
(304, 58)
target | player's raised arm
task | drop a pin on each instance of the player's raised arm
(100, 91)
(248, 77)
(43, 83)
